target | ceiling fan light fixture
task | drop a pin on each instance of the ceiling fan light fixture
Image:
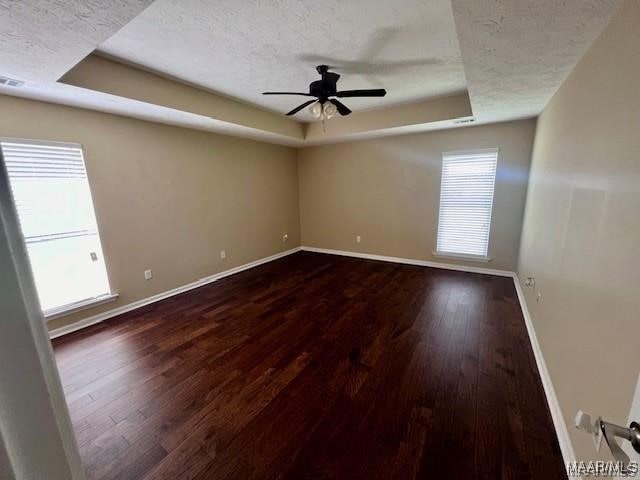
(329, 110)
(316, 110)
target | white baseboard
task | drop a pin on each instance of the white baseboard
(101, 317)
(411, 261)
(564, 440)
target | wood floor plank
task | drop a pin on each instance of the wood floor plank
(314, 366)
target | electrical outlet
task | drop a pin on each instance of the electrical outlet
(530, 282)
(358, 239)
(223, 254)
(148, 274)
(285, 237)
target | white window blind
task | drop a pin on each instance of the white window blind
(466, 199)
(52, 197)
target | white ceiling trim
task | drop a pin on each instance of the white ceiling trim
(78, 97)
(103, 102)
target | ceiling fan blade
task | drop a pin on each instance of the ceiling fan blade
(376, 92)
(342, 108)
(288, 93)
(300, 107)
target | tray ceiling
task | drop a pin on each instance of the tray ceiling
(442, 61)
(240, 49)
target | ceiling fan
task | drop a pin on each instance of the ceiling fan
(324, 106)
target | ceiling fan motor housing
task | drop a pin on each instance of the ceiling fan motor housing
(325, 87)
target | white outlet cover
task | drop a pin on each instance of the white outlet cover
(358, 238)
(223, 254)
(148, 274)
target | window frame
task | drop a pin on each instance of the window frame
(67, 309)
(467, 256)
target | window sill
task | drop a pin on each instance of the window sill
(459, 256)
(78, 306)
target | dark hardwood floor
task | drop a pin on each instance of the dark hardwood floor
(314, 366)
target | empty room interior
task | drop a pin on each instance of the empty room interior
(285, 239)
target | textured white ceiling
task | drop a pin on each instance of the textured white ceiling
(43, 39)
(517, 53)
(241, 48)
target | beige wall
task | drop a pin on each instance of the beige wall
(104, 75)
(581, 235)
(387, 191)
(169, 199)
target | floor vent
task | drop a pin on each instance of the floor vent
(10, 82)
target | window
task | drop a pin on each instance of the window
(466, 199)
(52, 197)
